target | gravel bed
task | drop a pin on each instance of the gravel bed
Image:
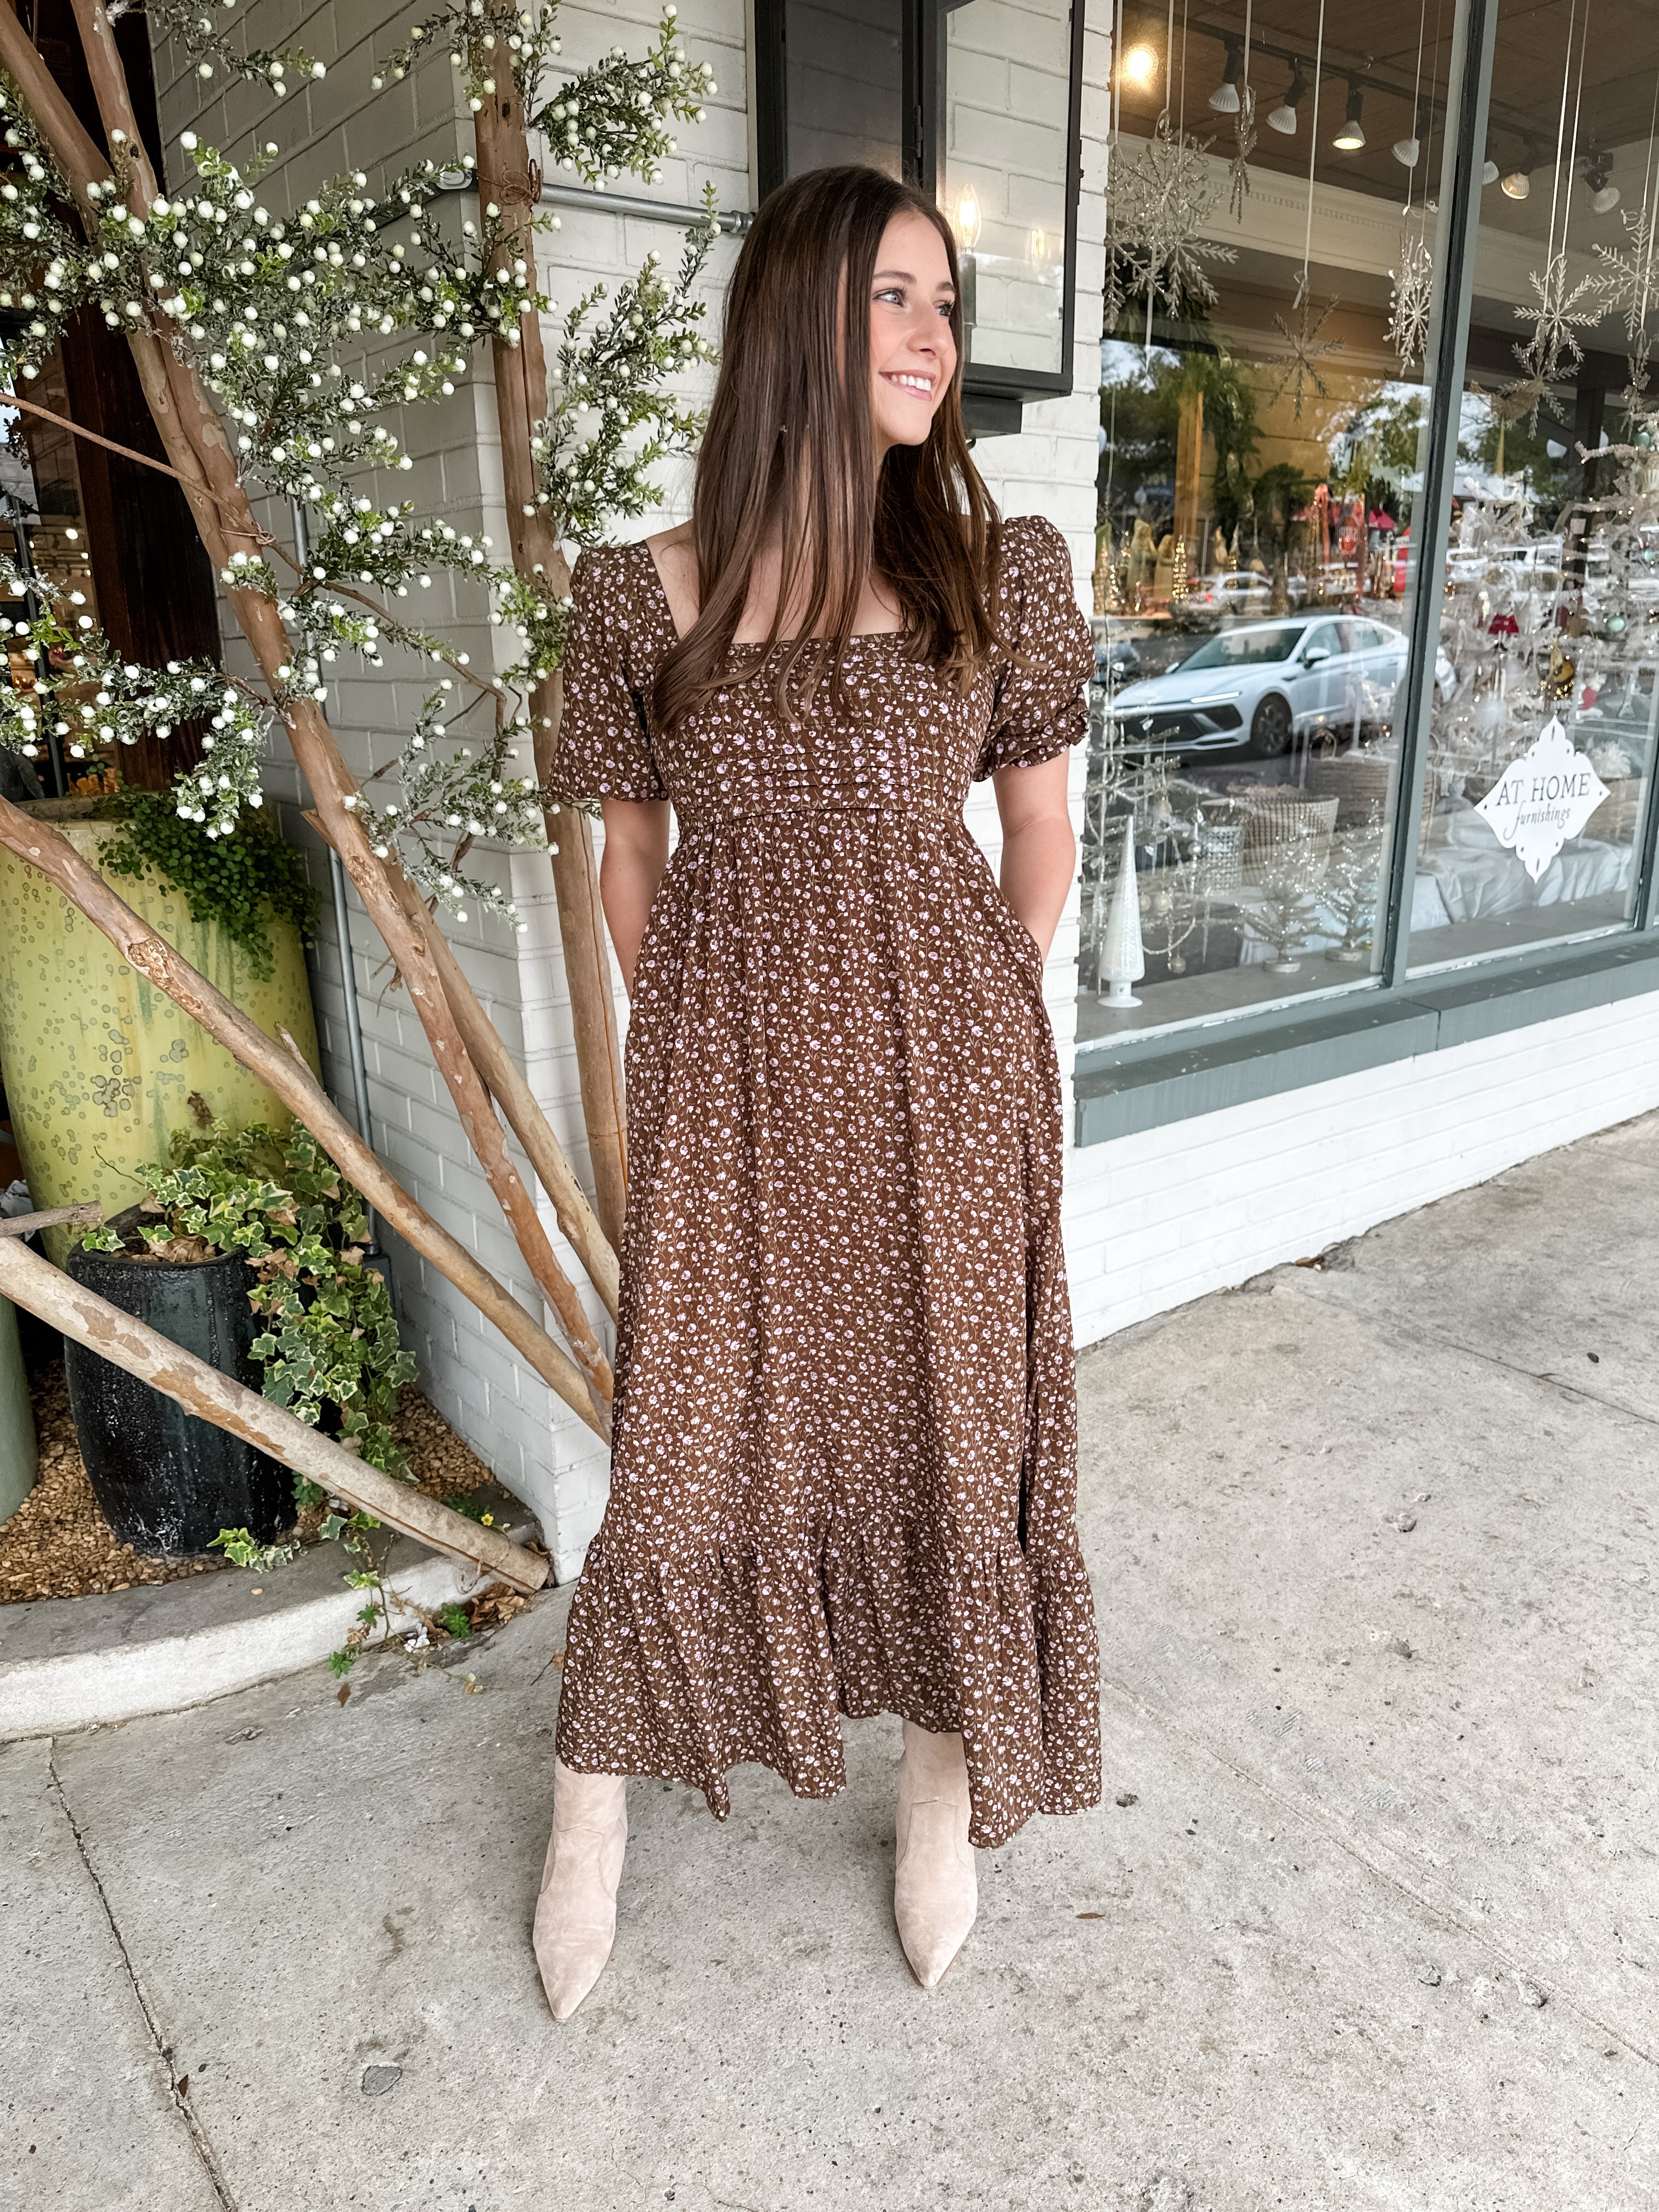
(58, 1543)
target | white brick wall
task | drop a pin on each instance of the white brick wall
(1152, 1219)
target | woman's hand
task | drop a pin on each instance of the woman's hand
(635, 854)
(1038, 848)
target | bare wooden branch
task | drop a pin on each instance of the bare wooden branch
(505, 180)
(196, 443)
(36, 1286)
(525, 1117)
(88, 1215)
(286, 1073)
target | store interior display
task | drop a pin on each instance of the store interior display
(1265, 422)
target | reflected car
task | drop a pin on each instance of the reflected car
(1262, 684)
(1245, 592)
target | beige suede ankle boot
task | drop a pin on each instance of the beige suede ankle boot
(935, 1887)
(576, 1911)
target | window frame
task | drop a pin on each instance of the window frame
(993, 396)
(1122, 1085)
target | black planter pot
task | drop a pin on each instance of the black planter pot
(168, 1481)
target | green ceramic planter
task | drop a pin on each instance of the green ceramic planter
(100, 1066)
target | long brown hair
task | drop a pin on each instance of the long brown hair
(790, 448)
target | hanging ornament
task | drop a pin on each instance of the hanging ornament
(1122, 956)
(1412, 299)
(1157, 206)
(1308, 349)
(1412, 295)
(1559, 674)
(1238, 173)
(1553, 351)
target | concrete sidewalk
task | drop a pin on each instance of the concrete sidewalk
(1369, 1916)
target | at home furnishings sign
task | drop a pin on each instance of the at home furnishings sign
(1542, 799)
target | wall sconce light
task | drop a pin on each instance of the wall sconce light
(968, 221)
(1352, 137)
(1283, 116)
(1225, 98)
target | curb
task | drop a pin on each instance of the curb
(70, 1663)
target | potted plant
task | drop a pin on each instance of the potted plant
(248, 1250)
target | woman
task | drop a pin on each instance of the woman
(843, 1472)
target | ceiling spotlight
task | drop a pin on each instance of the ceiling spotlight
(1598, 178)
(1139, 65)
(1352, 137)
(1408, 151)
(1283, 116)
(1225, 98)
(1489, 174)
(1518, 183)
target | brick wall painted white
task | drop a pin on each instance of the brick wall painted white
(1155, 1219)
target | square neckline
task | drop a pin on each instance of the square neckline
(755, 644)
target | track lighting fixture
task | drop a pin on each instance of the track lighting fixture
(1352, 137)
(1225, 98)
(1283, 116)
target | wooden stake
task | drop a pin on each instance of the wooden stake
(286, 1074)
(36, 1286)
(195, 443)
(507, 179)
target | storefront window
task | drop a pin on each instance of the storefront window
(1541, 743)
(1263, 434)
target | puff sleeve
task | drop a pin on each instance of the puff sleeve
(604, 746)
(1038, 707)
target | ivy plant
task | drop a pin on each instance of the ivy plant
(239, 880)
(330, 1341)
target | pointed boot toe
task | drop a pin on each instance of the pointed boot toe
(935, 1884)
(576, 1912)
(570, 1961)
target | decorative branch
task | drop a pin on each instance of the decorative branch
(36, 1286)
(286, 1073)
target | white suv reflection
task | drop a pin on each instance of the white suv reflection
(1262, 684)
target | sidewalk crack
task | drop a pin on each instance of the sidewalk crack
(163, 2051)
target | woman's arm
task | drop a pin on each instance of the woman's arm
(635, 854)
(1038, 848)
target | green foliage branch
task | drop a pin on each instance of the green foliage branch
(315, 330)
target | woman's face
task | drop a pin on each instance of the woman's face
(913, 356)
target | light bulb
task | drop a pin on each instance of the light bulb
(1039, 247)
(1517, 184)
(967, 219)
(1140, 65)
(1352, 137)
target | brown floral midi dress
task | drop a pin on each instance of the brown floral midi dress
(843, 1470)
